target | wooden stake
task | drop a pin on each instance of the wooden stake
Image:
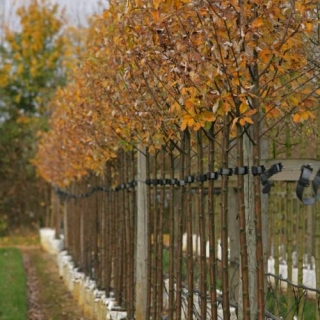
(142, 240)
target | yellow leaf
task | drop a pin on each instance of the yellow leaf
(175, 107)
(309, 27)
(208, 116)
(304, 115)
(243, 108)
(311, 115)
(156, 4)
(193, 91)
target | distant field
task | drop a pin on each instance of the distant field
(13, 291)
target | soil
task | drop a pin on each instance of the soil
(48, 297)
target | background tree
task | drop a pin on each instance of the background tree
(34, 62)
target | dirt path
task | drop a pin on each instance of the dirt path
(48, 296)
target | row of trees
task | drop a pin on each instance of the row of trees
(154, 69)
(151, 70)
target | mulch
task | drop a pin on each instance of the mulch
(48, 296)
(33, 290)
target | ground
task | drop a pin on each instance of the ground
(48, 296)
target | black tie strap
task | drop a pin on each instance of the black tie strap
(257, 170)
(316, 184)
(303, 182)
(264, 176)
(241, 170)
(225, 171)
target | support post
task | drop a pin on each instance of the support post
(141, 238)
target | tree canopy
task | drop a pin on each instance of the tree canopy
(153, 69)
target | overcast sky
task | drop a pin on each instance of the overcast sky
(80, 9)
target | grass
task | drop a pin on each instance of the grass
(279, 303)
(13, 290)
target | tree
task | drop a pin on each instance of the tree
(33, 64)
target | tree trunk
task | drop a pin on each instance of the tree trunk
(289, 245)
(224, 222)
(212, 228)
(302, 209)
(142, 241)
(249, 202)
(243, 194)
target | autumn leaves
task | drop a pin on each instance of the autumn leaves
(152, 70)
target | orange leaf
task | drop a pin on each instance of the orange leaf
(257, 23)
(296, 118)
(247, 119)
(189, 103)
(155, 15)
(197, 126)
(190, 122)
(251, 112)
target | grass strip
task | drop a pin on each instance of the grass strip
(13, 290)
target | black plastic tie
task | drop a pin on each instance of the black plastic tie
(201, 177)
(257, 170)
(173, 182)
(212, 175)
(241, 170)
(189, 179)
(264, 177)
(275, 168)
(316, 184)
(305, 174)
(304, 182)
(130, 184)
(225, 171)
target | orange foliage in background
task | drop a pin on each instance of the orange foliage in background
(152, 69)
